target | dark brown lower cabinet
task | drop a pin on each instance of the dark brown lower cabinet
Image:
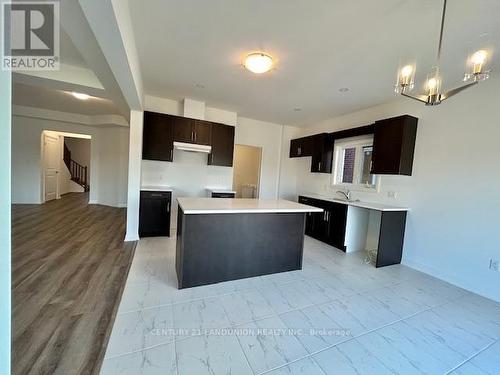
(328, 226)
(154, 213)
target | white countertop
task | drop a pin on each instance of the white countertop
(240, 205)
(215, 190)
(368, 205)
(155, 188)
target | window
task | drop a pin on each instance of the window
(353, 159)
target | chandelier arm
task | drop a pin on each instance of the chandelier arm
(441, 32)
(456, 90)
(420, 98)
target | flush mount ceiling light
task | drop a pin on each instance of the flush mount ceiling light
(258, 62)
(434, 95)
(80, 96)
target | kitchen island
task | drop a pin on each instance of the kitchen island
(228, 239)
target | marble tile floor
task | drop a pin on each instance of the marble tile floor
(336, 316)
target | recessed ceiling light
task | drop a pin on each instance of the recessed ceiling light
(80, 96)
(258, 62)
(344, 89)
(200, 86)
(297, 109)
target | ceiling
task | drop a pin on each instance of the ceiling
(194, 49)
(51, 90)
(59, 100)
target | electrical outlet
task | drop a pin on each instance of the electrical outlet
(495, 265)
(392, 194)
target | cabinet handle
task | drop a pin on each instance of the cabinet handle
(194, 137)
(319, 166)
(168, 207)
(299, 151)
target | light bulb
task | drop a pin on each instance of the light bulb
(258, 62)
(405, 79)
(431, 83)
(432, 86)
(479, 57)
(406, 71)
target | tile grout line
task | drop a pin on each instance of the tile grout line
(278, 316)
(473, 356)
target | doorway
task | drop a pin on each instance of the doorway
(246, 171)
(61, 173)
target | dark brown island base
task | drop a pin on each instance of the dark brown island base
(228, 239)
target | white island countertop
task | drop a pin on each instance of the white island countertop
(358, 203)
(237, 206)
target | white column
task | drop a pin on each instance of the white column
(134, 175)
(5, 219)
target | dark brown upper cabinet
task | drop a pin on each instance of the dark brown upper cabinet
(301, 147)
(183, 129)
(202, 132)
(157, 138)
(394, 145)
(319, 146)
(189, 130)
(222, 145)
(322, 153)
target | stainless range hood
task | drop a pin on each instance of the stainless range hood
(191, 147)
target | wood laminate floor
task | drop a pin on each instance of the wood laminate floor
(69, 265)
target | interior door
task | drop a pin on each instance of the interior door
(51, 162)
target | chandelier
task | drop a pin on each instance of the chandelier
(434, 94)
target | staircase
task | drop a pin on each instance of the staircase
(78, 172)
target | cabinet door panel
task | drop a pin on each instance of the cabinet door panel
(184, 130)
(322, 153)
(337, 220)
(202, 132)
(295, 148)
(157, 142)
(154, 215)
(222, 145)
(394, 145)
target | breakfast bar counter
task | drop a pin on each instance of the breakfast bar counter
(228, 239)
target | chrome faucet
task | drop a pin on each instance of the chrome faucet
(346, 194)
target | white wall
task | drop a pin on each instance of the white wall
(452, 228)
(109, 159)
(134, 175)
(5, 219)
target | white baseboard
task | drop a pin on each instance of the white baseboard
(119, 205)
(429, 270)
(131, 238)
